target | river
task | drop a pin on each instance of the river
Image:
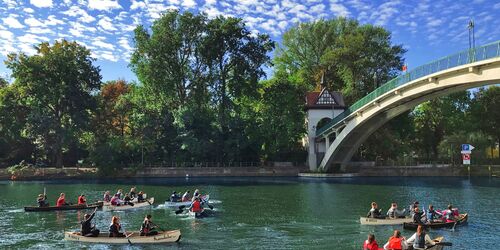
(258, 213)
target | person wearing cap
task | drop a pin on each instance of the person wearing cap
(174, 197)
(82, 200)
(412, 208)
(148, 227)
(87, 229)
(42, 200)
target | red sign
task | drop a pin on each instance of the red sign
(466, 157)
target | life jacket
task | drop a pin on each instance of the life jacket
(395, 243)
(60, 202)
(196, 206)
(370, 246)
(431, 214)
(145, 227)
(114, 201)
(81, 200)
(107, 198)
(448, 214)
(419, 241)
(392, 213)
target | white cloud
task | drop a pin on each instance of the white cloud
(106, 24)
(434, 22)
(339, 9)
(188, 3)
(32, 39)
(124, 43)
(77, 11)
(28, 10)
(33, 22)
(52, 20)
(12, 22)
(7, 35)
(137, 5)
(41, 3)
(104, 45)
(104, 5)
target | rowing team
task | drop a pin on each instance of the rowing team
(418, 215)
(61, 201)
(116, 199)
(419, 240)
(148, 228)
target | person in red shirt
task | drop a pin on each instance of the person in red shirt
(396, 242)
(82, 200)
(196, 206)
(370, 243)
(61, 201)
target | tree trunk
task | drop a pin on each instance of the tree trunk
(222, 113)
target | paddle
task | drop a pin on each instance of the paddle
(154, 224)
(448, 244)
(127, 236)
(181, 209)
(453, 228)
(206, 202)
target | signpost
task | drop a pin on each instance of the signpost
(466, 152)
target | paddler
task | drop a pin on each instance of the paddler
(396, 242)
(82, 200)
(107, 197)
(89, 230)
(417, 216)
(420, 239)
(132, 193)
(374, 211)
(196, 206)
(174, 197)
(148, 227)
(119, 193)
(61, 200)
(115, 227)
(449, 214)
(370, 243)
(42, 200)
(432, 214)
(393, 211)
(186, 196)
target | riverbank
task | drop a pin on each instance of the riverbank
(267, 171)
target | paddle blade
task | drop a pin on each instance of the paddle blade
(448, 244)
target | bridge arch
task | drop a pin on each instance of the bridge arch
(356, 124)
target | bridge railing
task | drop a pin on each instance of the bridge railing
(484, 52)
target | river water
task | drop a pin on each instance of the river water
(258, 213)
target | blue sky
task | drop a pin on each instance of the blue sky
(428, 29)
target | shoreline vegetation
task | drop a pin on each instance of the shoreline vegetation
(202, 96)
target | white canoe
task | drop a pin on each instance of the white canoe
(128, 207)
(374, 221)
(171, 204)
(135, 238)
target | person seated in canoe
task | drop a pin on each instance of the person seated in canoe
(127, 200)
(107, 197)
(119, 193)
(420, 239)
(116, 201)
(449, 214)
(132, 193)
(87, 229)
(186, 196)
(370, 243)
(417, 216)
(174, 197)
(82, 200)
(432, 215)
(412, 208)
(196, 194)
(140, 197)
(61, 200)
(148, 227)
(115, 228)
(42, 200)
(374, 212)
(396, 242)
(394, 213)
(196, 206)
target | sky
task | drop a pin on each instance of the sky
(427, 29)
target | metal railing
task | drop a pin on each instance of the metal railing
(484, 52)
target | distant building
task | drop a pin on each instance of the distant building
(321, 107)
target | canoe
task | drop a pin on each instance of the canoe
(128, 207)
(204, 213)
(69, 207)
(435, 247)
(387, 221)
(135, 238)
(461, 219)
(171, 204)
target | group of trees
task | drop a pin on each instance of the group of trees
(201, 97)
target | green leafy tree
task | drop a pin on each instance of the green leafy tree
(57, 85)
(485, 113)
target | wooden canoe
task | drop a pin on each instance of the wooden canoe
(135, 238)
(435, 247)
(461, 219)
(146, 203)
(69, 207)
(387, 221)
